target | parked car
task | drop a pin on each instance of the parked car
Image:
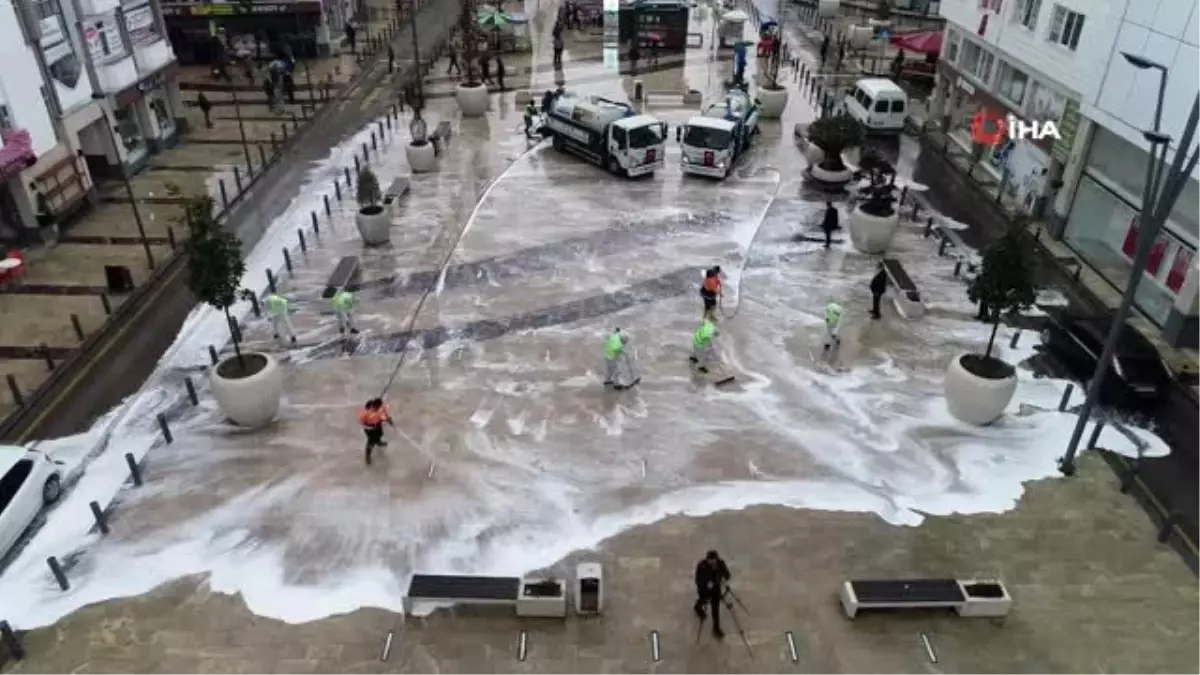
(29, 480)
(1138, 376)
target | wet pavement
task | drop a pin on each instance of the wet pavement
(483, 321)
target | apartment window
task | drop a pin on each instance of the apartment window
(1026, 13)
(970, 56)
(1065, 27)
(6, 122)
(952, 42)
(44, 9)
(1012, 83)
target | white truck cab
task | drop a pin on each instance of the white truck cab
(712, 142)
(608, 133)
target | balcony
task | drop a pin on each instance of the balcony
(117, 76)
(153, 57)
(98, 7)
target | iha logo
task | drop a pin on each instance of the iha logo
(990, 129)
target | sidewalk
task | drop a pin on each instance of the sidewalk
(68, 280)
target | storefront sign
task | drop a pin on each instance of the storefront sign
(103, 41)
(58, 52)
(1179, 268)
(1067, 128)
(139, 21)
(237, 9)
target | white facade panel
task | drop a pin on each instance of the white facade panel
(1169, 18)
(98, 7)
(21, 82)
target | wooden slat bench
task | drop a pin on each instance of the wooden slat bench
(908, 298)
(397, 190)
(345, 275)
(962, 253)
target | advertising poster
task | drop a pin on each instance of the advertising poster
(139, 21)
(1154, 262)
(1179, 268)
(1129, 247)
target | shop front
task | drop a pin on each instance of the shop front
(1103, 223)
(16, 155)
(145, 119)
(194, 28)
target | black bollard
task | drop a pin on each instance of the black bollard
(78, 327)
(303, 243)
(237, 179)
(366, 154)
(957, 268)
(324, 198)
(98, 514)
(135, 471)
(1095, 438)
(106, 304)
(903, 194)
(170, 240)
(1066, 397)
(191, 390)
(166, 429)
(313, 217)
(45, 352)
(374, 142)
(11, 643)
(212, 354)
(283, 126)
(287, 259)
(357, 166)
(381, 130)
(271, 280)
(274, 143)
(942, 246)
(18, 398)
(224, 194)
(389, 122)
(262, 155)
(254, 307)
(57, 571)
(346, 169)
(1012, 344)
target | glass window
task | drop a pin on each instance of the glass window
(13, 480)
(984, 72)
(1012, 83)
(881, 106)
(1065, 27)
(162, 114)
(1026, 13)
(130, 131)
(897, 106)
(970, 56)
(644, 137)
(618, 135)
(953, 40)
(707, 138)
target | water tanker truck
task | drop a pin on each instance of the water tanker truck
(713, 142)
(608, 133)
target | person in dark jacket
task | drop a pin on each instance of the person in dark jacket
(879, 284)
(829, 223)
(711, 575)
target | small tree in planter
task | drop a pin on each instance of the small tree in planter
(773, 96)
(880, 194)
(980, 386)
(373, 220)
(834, 134)
(471, 95)
(368, 193)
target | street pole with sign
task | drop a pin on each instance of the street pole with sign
(114, 138)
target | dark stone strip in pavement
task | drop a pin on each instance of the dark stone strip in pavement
(217, 88)
(191, 168)
(622, 236)
(114, 240)
(300, 100)
(179, 201)
(25, 353)
(254, 118)
(51, 289)
(660, 288)
(230, 141)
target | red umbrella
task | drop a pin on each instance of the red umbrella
(920, 42)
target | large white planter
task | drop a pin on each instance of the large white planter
(549, 605)
(872, 234)
(374, 228)
(773, 102)
(831, 177)
(472, 101)
(421, 158)
(976, 400)
(248, 401)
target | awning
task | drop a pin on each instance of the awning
(920, 42)
(17, 153)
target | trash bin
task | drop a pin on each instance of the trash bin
(589, 593)
(118, 278)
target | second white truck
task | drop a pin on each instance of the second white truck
(607, 133)
(713, 142)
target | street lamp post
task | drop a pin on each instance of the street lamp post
(137, 213)
(1163, 186)
(417, 127)
(237, 112)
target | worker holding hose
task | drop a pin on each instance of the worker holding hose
(371, 418)
(710, 291)
(343, 308)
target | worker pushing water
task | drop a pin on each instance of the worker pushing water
(618, 369)
(279, 310)
(343, 308)
(833, 326)
(710, 292)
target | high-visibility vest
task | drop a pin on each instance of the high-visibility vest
(614, 345)
(277, 305)
(705, 334)
(343, 301)
(833, 314)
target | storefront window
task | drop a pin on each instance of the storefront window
(162, 114)
(131, 133)
(1102, 229)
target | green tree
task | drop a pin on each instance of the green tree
(368, 193)
(214, 262)
(1005, 283)
(834, 134)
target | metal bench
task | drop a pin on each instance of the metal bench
(908, 300)
(462, 590)
(963, 254)
(395, 191)
(967, 597)
(345, 275)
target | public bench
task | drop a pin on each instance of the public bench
(908, 299)
(396, 191)
(345, 275)
(963, 254)
(969, 597)
(545, 598)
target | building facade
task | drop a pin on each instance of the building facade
(308, 27)
(1060, 61)
(87, 88)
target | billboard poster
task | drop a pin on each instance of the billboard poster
(1179, 268)
(139, 22)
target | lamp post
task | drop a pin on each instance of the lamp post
(1163, 186)
(237, 112)
(114, 137)
(417, 126)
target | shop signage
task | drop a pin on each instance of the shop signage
(1067, 128)
(139, 21)
(103, 41)
(1179, 268)
(58, 52)
(237, 9)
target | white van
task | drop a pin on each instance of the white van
(879, 104)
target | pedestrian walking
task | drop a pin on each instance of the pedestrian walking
(558, 49)
(711, 574)
(391, 58)
(634, 54)
(205, 107)
(841, 55)
(289, 87)
(530, 113)
(710, 292)
(833, 326)
(372, 418)
(268, 88)
(343, 308)
(824, 49)
(703, 350)
(654, 47)
(454, 67)
(829, 223)
(351, 36)
(500, 72)
(614, 358)
(485, 69)
(281, 321)
(879, 284)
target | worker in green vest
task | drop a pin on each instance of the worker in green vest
(343, 307)
(614, 357)
(833, 325)
(281, 320)
(703, 350)
(530, 113)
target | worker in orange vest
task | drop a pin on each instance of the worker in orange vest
(710, 291)
(372, 417)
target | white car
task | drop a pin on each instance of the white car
(29, 479)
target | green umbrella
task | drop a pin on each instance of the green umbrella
(493, 19)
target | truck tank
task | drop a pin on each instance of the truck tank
(735, 107)
(590, 111)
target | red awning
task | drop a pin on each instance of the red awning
(920, 42)
(17, 153)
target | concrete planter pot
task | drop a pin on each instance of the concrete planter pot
(421, 158)
(374, 225)
(472, 101)
(248, 400)
(830, 177)
(975, 399)
(542, 598)
(773, 102)
(872, 234)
